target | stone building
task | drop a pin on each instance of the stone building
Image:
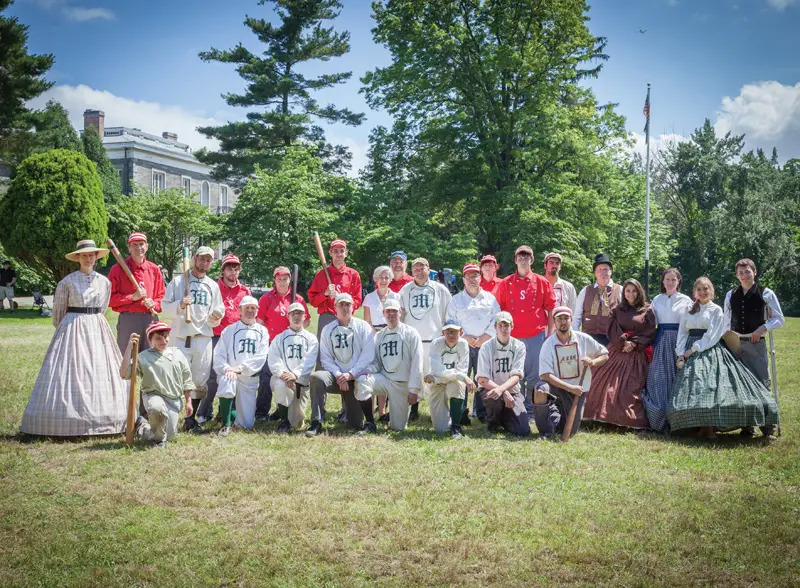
(160, 162)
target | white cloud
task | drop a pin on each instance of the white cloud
(781, 4)
(657, 144)
(767, 113)
(150, 117)
(81, 14)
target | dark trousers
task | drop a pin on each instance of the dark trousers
(322, 384)
(551, 416)
(514, 420)
(127, 324)
(264, 398)
(478, 410)
(206, 408)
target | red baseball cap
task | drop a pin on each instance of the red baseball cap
(281, 270)
(232, 259)
(156, 326)
(137, 237)
(488, 259)
(470, 267)
(338, 243)
(523, 249)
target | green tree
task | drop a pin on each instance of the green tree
(55, 200)
(44, 129)
(171, 221)
(20, 72)
(95, 150)
(277, 86)
(277, 213)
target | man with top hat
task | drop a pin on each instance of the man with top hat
(273, 313)
(594, 305)
(398, 262)
(8, 277)
(750, 310)
(292, 355)
(448, 380)
(530, 299)
(238, 359)
(344, 280)
(424, 303)
(232, 291)
(134, 305)
(564, 290)
(565, 356)
(397, 368)
(193, 339)
(164, 378)
(501, 368)
(347, 351)
(489, 278)
(474, 309)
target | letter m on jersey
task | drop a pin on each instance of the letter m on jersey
(502, 364)
(420, 301)
(389, 348)
(247, 346)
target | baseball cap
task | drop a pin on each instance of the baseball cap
(296, 306)
(248, 300)
(137, 237)
(503, 317)
(553, 255)
(470, 267)
(343, 297)
(421, 260)
(559, 310)
(391, 304)
(204, 250)
(488, 259)
(523, 249)
(281, 270)
(230, 259)
(338, 243)
(401, 254)
(451, 324)
(156, 326)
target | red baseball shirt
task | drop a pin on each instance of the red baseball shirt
(147, 274)
(273, 311)
(231, 297)
(346, 280)
(527, 299)
(491, 284)
(397, 285)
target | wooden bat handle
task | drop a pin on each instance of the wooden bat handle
(573, 411)
(118, 256)
(129, 428)
(321, 253)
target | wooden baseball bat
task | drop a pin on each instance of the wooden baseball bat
(321, 253)
(295, 273)
(129, 431)
(186, 277)
(573, 411)
(118, 256)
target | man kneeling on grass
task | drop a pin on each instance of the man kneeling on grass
(238, 359)
(448, 379)
(292, 356)
(164, 377)
(501, 367)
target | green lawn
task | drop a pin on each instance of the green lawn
(395, 509)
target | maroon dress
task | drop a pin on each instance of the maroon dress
(616, 393)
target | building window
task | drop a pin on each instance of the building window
(205, 196)
(223, 196)
(159, 181)
(187, 187)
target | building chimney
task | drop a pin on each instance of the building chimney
(96, 119)
(170, 136)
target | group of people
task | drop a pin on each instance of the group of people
(527, 347)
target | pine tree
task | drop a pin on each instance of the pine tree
(288, 111)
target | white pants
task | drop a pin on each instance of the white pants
(162, 418)
(199, 356)
(379, 385)
(439, 396)
(286, 396)
(245, 390)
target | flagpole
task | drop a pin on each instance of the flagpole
(647, 199)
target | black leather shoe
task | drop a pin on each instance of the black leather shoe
(455, 432)
(284, 427)
(314, 429)
(368, 428)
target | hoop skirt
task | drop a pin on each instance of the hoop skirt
(78, 391)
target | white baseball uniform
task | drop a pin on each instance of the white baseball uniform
(295, 352)
(206, 299)
(396, 372)
(244, 346)
(449, 367)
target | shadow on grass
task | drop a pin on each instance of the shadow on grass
(723, 440)
(23, 314)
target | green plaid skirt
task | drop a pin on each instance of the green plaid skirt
(714, 389)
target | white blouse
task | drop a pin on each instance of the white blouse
(670, 309)
(81, 290)
(709, 317)
(373, 302)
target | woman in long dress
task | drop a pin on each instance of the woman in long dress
(79, 391)
(615, 395)
(713, 390)
(669, 307)
(373, 314)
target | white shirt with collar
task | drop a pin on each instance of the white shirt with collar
(776, 318)
(475, 314)
(670, 309)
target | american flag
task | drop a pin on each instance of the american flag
(646, 112)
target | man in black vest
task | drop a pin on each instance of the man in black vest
(751, 311)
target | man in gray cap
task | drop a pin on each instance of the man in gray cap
(397, 370)
(194, 338)
(501, 367)
(347, 350)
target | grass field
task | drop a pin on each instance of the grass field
(394, 509)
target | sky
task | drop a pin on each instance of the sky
(734, 62)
